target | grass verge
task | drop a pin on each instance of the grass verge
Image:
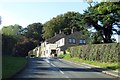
(11, 65)
(113, 66)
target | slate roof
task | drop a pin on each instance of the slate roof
(55, 38)
(59, 36)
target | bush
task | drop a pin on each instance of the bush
(61, 56)
(97, 52)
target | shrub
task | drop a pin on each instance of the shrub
(97, 52)
(61, 56)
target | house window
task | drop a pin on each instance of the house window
(72, 40)
(82, 41)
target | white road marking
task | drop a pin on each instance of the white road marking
(66, 76)
(59, 69)
(61, 72)
(53, 65)
(47, 60)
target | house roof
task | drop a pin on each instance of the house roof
(59, 36)
(55, 38)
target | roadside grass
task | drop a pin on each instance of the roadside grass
(11, 65)
(113, 66)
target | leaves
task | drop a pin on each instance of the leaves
(19, 41)
(11, 29)
(105, 13)
(65, 23)
(101, 52)
(34, 31)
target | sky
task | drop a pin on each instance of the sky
(25, 13)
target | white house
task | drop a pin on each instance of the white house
(59, 43)
(118, 39)
(50, 50)
(35, 52)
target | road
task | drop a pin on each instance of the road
(51, 68)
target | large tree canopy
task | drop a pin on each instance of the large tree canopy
(19, 41)
(34, 31)
(64, 22)
(11, 30)
(23, 46)
(105, 18)
(9, 37)
(52, 26)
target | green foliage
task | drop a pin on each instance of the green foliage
(65, 23)
(95, 38)
(11, 65)
(61, 56)
(19, 41)
(97, 52)
(67, 56)
(52, 26)
(24, 46)
(8, 43)
(34, 31)
(102, 17)
(10, 37)
(11, 30)
(108, 65)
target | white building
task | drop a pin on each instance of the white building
(58, 44)
(118, 39)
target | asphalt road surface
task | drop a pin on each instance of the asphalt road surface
(51, 68)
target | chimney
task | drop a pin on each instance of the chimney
(55, 33)
(72, 30)
(60, 31)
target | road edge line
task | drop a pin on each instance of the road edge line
(105, 72)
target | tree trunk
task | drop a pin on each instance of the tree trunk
(107, 30)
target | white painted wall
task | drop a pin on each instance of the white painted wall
(118, 40)
(117, 37)
(60, 42)
(50, 47)
(38, 52)
(43, 49)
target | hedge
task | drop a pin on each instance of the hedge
(97, 52)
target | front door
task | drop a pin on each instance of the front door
(53, 52)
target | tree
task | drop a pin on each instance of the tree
(53, 26)
(11, 30)
(8, 43)
(96, 38)
(19, 41)
(34, 31)
(9, 38)
(103, 17)
(65, 22)
(24, 46)
(72, 22)
(29, 38)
